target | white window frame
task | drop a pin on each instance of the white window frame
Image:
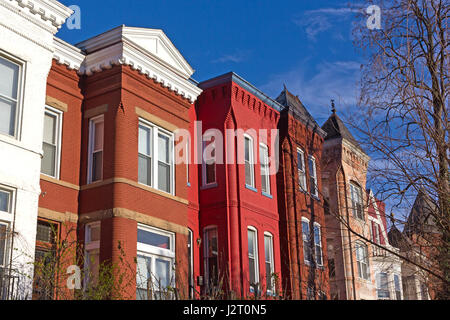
(272, 263)
(264, 161)
(307, 238)
(58, 136)
(92, 133)
(7, 214)
(379, 289)
(313, 175)
(360, 263)
(251, 161)
(317, 225)
(155, 132)
(255, 257)
(301, 173)
(20, 91)
(205, 184)
(400, 286)
(4, 263)
(154, 253)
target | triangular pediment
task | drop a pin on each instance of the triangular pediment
(157, 43)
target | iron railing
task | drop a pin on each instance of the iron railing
(8, 284)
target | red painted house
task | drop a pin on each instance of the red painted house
(238, 196)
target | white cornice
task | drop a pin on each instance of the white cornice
(52, 12)
(116, 47)
(67, 54)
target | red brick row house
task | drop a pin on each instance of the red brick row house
(112, 183)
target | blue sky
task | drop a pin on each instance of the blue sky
(305, 44)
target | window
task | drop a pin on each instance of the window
(268, 248)
(3, 243)
(423, 291)
(211, 257)
(253, 258)
(310, 294)
(362, 259)
(357, 201)
(5, 200)
(10, 73)
(265, 178)
(313, 176)
(156, 167)
(318, 244)
(155, 264)
(95, 160)
(191, 263)
(306, 241)
(331, 268)
(376, 233)
(209, 167)
(397, 287)
(301, 169)
(382, 286)
(249, 163)
(51, 143)
(46, 264)
(92, 253)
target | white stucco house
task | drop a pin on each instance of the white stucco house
(27, 29)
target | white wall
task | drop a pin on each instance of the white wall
(26, 37)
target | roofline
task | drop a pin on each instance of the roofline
(233, 77)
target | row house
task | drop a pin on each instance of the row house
(386, 264)
(344, 171)
(27, 29)
(239, 215)
(301, 203)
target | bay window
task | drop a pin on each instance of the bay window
(155, 264)
(155, 157)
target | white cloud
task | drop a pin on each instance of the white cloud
(236, 57)
(336, 80)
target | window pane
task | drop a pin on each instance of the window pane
(163, 148)
(317, 239)
(7, 116)
(98, 141)
(154, 239)
(268, 248)
(46, 232)
(48, 162)
(300, 161)
(2, 244)
(162, 274)
(251, 265)
(50, 129)
(145, 170)
(144, 140)
(247, 149)
(94, 232)
(251, 242)
(163, 177)
(4, 201)
(9, 73)
(143, 277)
(97, 166)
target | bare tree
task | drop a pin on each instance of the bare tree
(403, 118)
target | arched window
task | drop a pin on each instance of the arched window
(357, 200)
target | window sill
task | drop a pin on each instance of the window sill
(267, 195)
(251, 188)
(209, 186)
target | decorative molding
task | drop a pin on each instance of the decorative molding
(142, 50)
(26, 37)
(68, 55)
(52, 12)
